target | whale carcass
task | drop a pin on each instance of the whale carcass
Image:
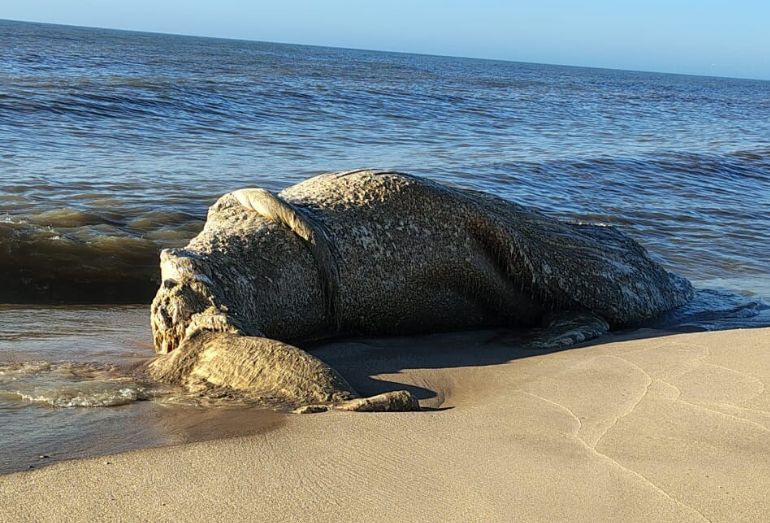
(379, 253)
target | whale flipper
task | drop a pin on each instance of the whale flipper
(567, 329)
(254, 366)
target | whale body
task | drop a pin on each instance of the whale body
(379, 253)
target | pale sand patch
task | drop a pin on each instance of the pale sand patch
(668, 428)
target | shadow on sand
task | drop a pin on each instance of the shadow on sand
(363, 360)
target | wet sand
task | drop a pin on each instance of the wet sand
(661, 427)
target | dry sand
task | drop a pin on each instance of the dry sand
(667, 428)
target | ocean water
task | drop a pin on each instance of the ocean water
(113, 144)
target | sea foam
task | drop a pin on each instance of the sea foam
(71, 384)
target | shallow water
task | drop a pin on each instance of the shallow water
(115, 143)
(85, 357)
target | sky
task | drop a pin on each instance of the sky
(708, 37)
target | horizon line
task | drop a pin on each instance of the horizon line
(508, 60)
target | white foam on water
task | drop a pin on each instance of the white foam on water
(71, 384)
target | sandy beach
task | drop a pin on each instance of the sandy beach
(658, 427)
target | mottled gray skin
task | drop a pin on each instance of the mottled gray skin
(374, 252)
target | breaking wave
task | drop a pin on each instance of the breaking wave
(70, 257)
(69, 384)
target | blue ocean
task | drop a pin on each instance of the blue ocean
(113, 144)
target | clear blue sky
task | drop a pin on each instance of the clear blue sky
(713, 37)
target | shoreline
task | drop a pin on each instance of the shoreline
(666, 427)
